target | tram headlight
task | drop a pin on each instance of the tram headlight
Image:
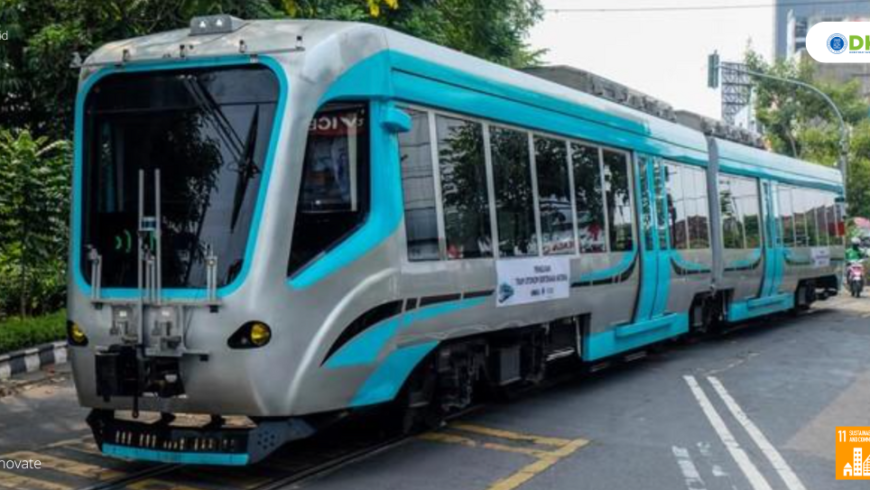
(251, 335)
(260, 334)
(75, 335)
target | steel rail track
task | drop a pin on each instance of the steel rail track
(332, 461)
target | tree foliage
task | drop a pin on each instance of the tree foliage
(34, 186)
(799, 123)
(37, 85)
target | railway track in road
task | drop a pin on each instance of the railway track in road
(77, 464)
(208, 478)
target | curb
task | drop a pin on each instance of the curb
(33, 359)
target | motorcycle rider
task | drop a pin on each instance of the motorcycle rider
(854, 253)
(855, 268)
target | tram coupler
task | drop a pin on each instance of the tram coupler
(121, 370)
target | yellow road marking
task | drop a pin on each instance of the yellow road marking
(513, 436)
(85, 470)
(17, 482)
(157, 484)
(529, 471)
(465, 441)
(242, 479)
(77, 440)
(84, 444)
(88, 447)
(562, 448)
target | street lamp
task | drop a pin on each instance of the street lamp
(713, 67)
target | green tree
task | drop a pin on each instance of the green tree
(494, 30)
(37, 85)
(38, 88)
(34, 185)
(799, 123)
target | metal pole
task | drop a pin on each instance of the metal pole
(844, 133)
(141, 267)
(158, 242)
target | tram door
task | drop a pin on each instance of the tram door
(655, 245)
(772, 242)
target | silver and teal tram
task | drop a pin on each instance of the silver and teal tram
(292, 220)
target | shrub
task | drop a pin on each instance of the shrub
(20, 333)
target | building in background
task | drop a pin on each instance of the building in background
(791, 20)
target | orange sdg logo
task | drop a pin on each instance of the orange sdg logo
(853, 453)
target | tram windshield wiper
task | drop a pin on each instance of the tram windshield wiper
(247, 169)
(244, 163)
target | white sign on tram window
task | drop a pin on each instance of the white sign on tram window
(522, 281)
(821, 256)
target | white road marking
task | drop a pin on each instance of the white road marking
(715, 468)
(756, 479)
(775, 458)
(690, 471)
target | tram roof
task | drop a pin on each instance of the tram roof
(279, 38)
(752, 161)
(303, 42)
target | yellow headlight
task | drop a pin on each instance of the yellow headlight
(260, 334)
(77, 335)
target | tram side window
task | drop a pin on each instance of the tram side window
(732, 225)
(676, 202)
(514, 201)
(831, 217)
(331, 202)
(697, 208)
(554, 196)
(464, 188)
(750, 212)
(786, 215)
(821, 220)
(839, 211)
(418, 188)
(618, 196)
(661, 196)
(810, 198)
(800, 217)
(588, 198)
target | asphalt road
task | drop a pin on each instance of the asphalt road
(755, 409)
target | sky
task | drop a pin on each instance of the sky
(661, 53)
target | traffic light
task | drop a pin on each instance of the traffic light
(713, 70)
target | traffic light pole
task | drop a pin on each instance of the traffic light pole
(844, 133)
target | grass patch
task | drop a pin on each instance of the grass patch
(21, 333)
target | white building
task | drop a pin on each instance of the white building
(847, 471)
(790, 23)
(858, 459)
(795, 47)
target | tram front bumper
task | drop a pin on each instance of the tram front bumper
(209, 444)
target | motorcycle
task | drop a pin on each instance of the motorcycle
(855, 276)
